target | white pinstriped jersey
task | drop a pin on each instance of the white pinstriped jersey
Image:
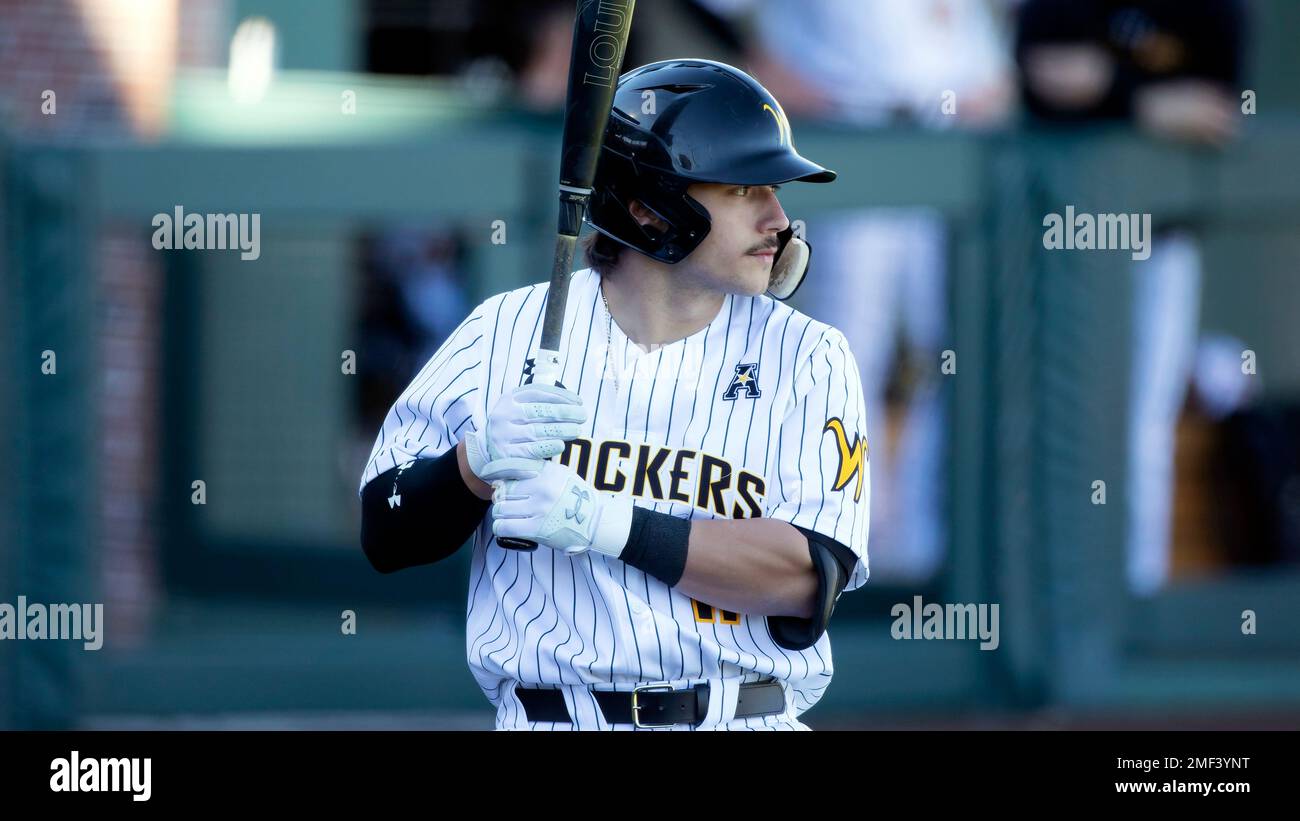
(758, 414)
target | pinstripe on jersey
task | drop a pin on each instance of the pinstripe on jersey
(791, 446)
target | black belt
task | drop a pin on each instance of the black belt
(654, 705)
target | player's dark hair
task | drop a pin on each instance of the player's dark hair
(601, 252)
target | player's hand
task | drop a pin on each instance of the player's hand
(1069, 76)
(547, 503)
(1191, 110)
(530, 422)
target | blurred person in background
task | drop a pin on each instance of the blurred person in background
(881, 272)
(1172, 67)
(412, 294)
(521, 51)
(526, 43)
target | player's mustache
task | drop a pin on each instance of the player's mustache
(767, 246)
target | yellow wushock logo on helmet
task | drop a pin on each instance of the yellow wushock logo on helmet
(852, 456)
(782, 124)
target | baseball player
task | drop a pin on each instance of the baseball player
(698, 487)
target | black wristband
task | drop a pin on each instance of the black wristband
(657, 544)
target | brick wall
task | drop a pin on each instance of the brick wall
(46, 45)
(110, 64)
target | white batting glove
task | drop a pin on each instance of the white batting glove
(547, 503)
(529, 422)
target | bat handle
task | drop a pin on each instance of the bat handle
(546, 371)
(546, 368)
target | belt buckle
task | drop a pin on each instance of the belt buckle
(636, 707)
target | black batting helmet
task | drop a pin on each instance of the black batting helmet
(678, 122)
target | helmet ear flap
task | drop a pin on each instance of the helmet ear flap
(621, 180)
(790, 265)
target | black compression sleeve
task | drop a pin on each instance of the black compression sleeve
(419, 515)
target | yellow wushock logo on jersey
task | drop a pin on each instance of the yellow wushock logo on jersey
(852, 456)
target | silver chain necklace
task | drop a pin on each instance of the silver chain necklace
(609, 336)
(609, 341)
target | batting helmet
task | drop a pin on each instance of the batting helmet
(678, 122)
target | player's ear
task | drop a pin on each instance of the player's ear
(646, 217)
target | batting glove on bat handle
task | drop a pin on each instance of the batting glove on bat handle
(545, 371)
(529, 422)
(499, 474)
(550, 503)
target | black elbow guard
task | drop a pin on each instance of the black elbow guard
(834, 562)
(418, 514)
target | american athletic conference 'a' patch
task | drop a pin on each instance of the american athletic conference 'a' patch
(852, 456)
(745, 379)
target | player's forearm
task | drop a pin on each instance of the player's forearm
(760, 567)
(476, 485)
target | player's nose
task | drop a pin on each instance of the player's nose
(774, 218)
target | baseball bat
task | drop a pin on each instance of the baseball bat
(600, 30)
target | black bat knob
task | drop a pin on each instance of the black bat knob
(517, 544)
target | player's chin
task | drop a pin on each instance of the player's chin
(758, 274)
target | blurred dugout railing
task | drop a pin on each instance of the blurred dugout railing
(1061, 330)
(253, 391)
